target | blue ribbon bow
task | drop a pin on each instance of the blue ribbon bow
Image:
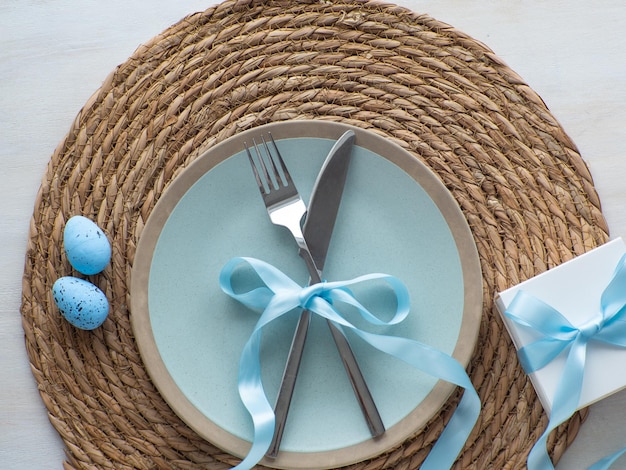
(279, 294)
(557, 336)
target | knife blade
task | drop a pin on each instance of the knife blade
(318, 228)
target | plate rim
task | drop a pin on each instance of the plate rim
(471, 270)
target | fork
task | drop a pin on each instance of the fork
(286, 208)
(283, 202)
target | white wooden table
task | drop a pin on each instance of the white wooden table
(54, 55)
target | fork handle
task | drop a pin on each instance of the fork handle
(288, 382)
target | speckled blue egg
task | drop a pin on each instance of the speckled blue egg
(86, 246)
(80, 302)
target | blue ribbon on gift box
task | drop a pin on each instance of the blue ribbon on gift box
(278, 295)
(559, 336)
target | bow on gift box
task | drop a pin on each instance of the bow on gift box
(279, 295)
(558, 335)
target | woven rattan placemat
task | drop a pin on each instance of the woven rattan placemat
(526, 193)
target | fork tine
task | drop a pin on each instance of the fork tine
(255, 168)
(271, 157)
(263, 165)
(279, 157)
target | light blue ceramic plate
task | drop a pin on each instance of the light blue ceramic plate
(396, 217)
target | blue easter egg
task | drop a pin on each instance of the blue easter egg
(86, 246)
(80, 302)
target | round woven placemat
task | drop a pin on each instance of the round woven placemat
(526, 192)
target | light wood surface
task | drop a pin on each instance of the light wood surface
(54, 55)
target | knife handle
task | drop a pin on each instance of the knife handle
(359, 386)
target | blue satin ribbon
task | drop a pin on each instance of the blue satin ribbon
(558, 335)
(279, 295)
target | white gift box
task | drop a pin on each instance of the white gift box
(574, 289)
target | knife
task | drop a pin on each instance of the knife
(318, 228)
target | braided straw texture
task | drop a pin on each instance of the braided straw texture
(446, 98)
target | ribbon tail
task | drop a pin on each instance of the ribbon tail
(455, 435)
(254, 399)
(614, 297)
(440, 365)
(250, 384)
(606, 462)
(564, 405)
